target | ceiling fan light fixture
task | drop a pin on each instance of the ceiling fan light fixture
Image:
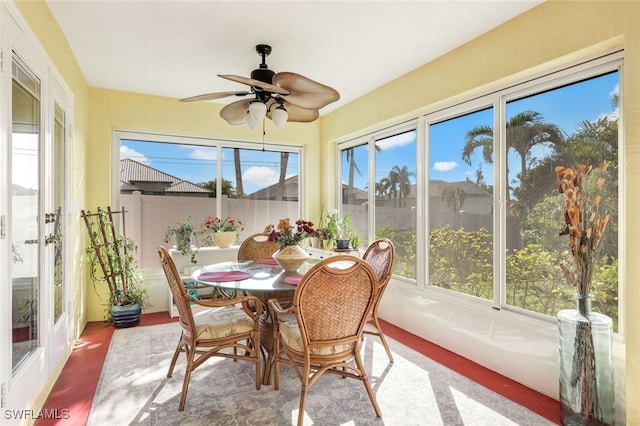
(251, 122)
(302, 96)
(279, 116)
(258, 111)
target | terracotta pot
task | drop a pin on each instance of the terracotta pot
(224, 239)
(290, 257)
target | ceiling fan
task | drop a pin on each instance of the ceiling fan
(282, 97)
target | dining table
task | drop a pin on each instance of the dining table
(262, 278)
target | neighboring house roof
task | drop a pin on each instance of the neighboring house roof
(21, 190)
(290, 191)
(135, 176)
(356, 193)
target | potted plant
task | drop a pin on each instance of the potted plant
(290, 256)
(340, 229)
(222, 232)
(110, 259)
(184, 233)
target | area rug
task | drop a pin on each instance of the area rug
(414, 390)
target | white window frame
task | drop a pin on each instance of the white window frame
(496, 99)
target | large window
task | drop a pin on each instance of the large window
(164, 182)
(492, 208)
(460, 204)
(355, 181)
(391, 187)
(573, 124)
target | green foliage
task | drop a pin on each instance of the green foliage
(227, 187)
(405, 244)
(183, 232)
(462, 261)
(533, 280)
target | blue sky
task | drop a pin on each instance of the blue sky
(566, 107)
(197, 164)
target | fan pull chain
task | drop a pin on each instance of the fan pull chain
(264, 132)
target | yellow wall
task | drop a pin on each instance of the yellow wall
(552, 33)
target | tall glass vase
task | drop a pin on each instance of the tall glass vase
(585, 346)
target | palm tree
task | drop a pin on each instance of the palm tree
(454, 197)
(524, 131)
(400, 183)
(227, 187)
(382, 187)
(393, 180)
(284, 161)
(350, 156)
(236, 160)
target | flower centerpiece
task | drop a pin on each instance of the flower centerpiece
(587, 394)
(222, 232)
(290, 256)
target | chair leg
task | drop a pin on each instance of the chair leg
(382, 339)
(190, 351)
(367, 385)
(303, 401)
(179, 349)
(257, 353)
(273, 359)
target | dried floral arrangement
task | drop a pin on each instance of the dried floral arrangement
(585, 222)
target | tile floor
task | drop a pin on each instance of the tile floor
(76, 385)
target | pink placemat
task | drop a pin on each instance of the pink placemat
(267, 261)
(293, 279)
(218, 277)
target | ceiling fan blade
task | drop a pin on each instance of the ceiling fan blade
(211, 96)
(305, 93)
(255, 83)
(235, 112)
(296, 114)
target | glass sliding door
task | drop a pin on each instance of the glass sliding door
(54, 220)
(25, 202)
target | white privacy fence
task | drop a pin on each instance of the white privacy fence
(148, 216)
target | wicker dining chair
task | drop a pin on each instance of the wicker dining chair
(381, 255)
(257, 246)
(331, 305)
(230, 329)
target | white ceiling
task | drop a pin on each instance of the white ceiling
(177, 48)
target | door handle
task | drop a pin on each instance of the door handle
(49, 217)
(52, 239)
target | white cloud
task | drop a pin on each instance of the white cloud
(615, 91)
(402, 139)
(126, 152)
(262, 176)
(203, 153)
(444, 166)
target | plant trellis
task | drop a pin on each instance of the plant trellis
(110, 250)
